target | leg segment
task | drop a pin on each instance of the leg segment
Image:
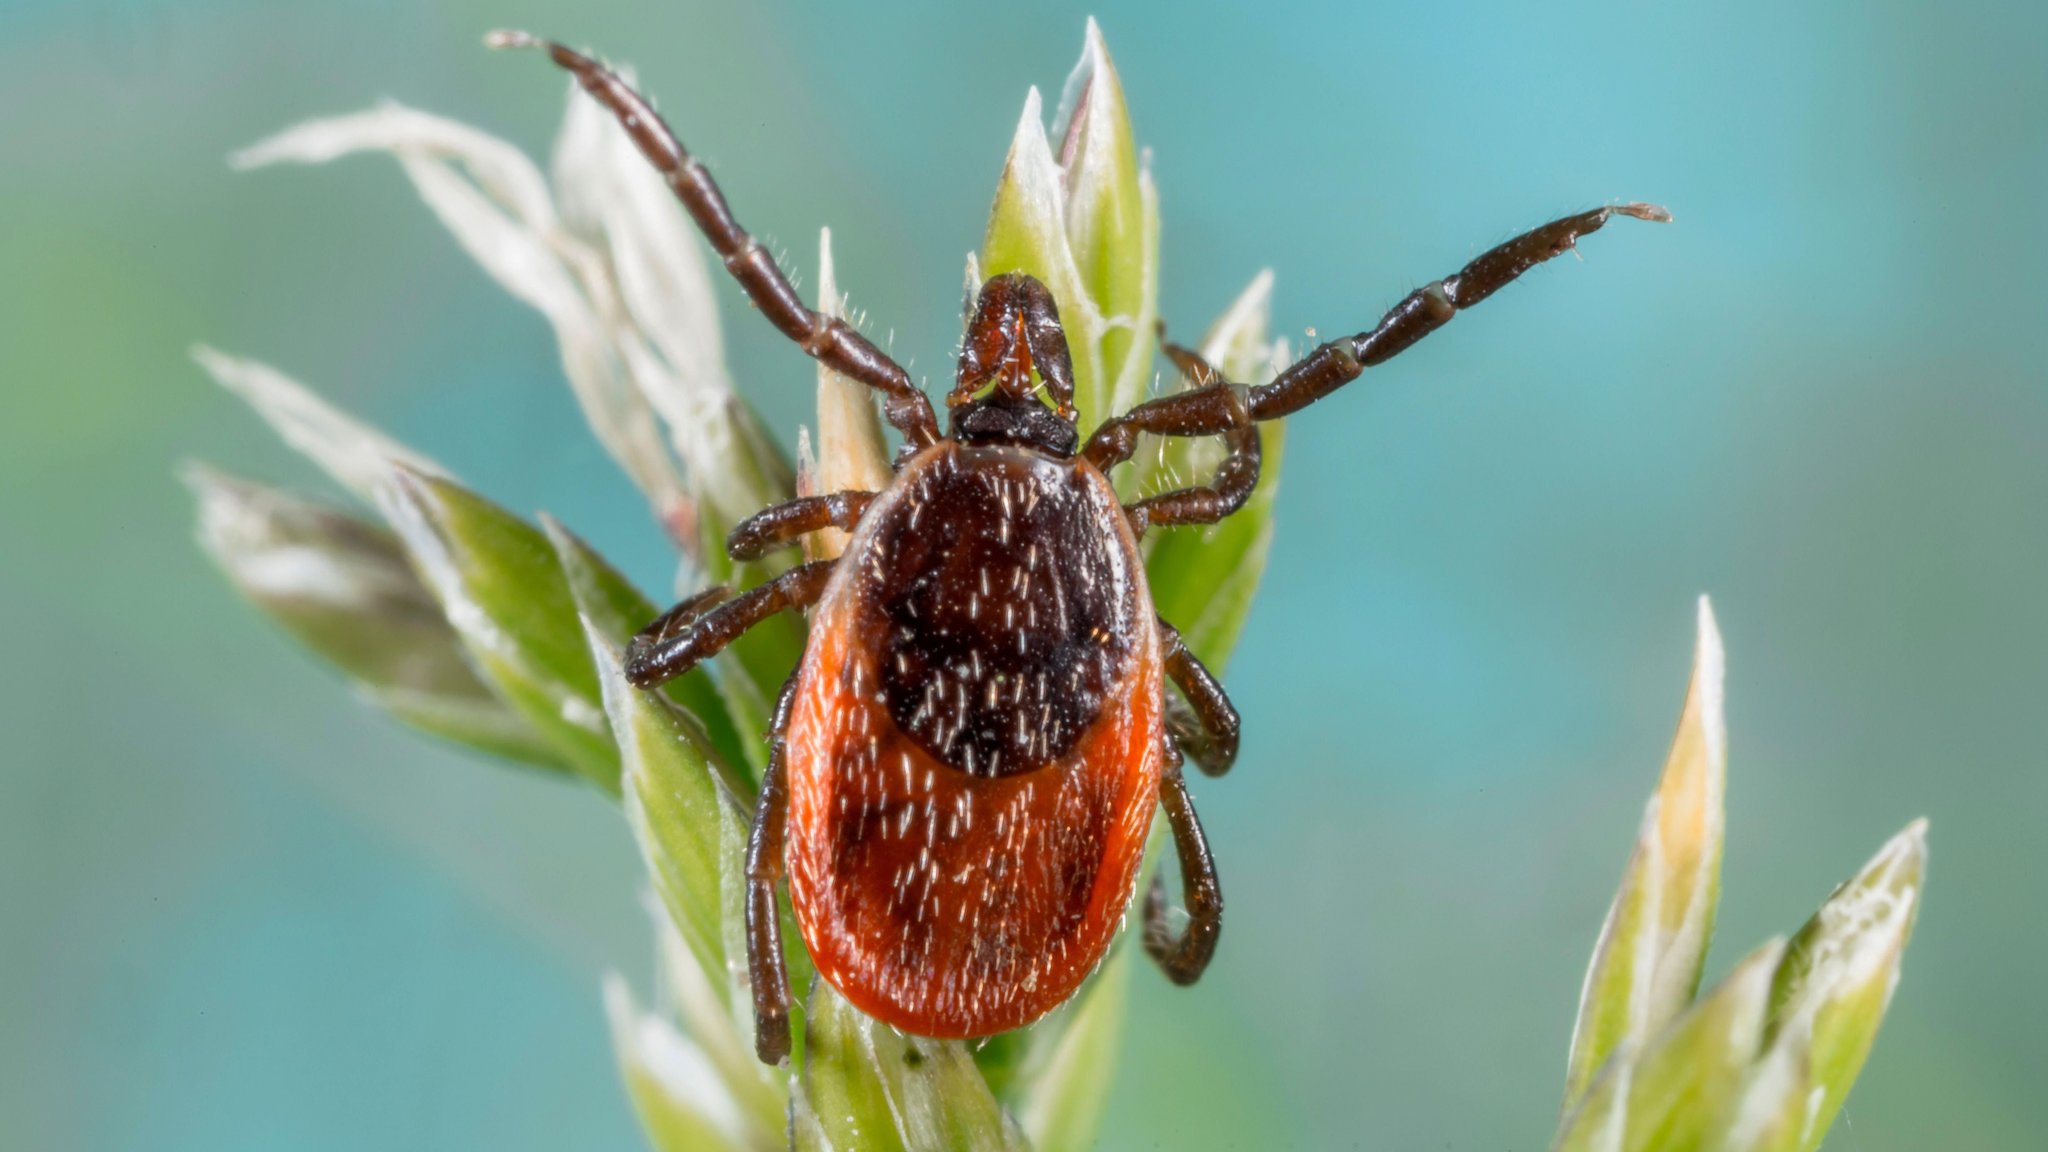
(1203, 411)
(1183, 958)
(680, 641)
(829, 339)
(1209, 734)
(771, 528)
(674, 622)
(1235, 477)
(1211, 410)
(765, 969)
(1428, 308)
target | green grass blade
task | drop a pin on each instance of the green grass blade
(866, 1086)
(675, 800)
(1203, 578)
(1685, 1084)
(1837, 979)
(681, 1102)
(1647, 963)
(1772, 1113)
(1027, 233)
(610, 603)
(1061, 1088)
(1107, 225)
(499, 583)
(342, 586)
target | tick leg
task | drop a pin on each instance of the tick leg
(674, 622)
(1206, 411)
(1428, 308)
(771, 528)
(1210, 410)
(1235, 477)
(670, 647)
(765, 969)
(1184, 957)
(829, 339)
(1209, 735)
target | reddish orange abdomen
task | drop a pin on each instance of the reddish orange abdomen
(952, 904)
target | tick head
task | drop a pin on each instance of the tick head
(1015, 332)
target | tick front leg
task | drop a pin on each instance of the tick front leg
(1428, 308)
(1235, 477)
(672, 623)
(770, 528)
(765, 970)
(1211, 410)
(1209, 736)
(1184, 957)
(828, 339)
(679, 642)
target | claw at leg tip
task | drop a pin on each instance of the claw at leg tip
(1651, 212)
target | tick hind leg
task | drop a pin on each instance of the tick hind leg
(1183, 957)
(1206, 731)
(827, 338)
(765, 971)
(700, 627)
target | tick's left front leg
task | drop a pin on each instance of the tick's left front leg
(691, 632)
(773, 527)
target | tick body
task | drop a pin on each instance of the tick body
(964, 767)
(975, 745)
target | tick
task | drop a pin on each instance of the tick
(965, 764)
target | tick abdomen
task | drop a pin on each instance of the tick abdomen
(975, 750)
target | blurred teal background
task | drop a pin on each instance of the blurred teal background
(241, 911)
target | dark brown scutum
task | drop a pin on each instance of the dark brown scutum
(1002, 609)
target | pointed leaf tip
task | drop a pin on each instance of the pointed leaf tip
(353, 454)
(1204, 579)
(852, 453)
(344, 588)
(682, 1103)
(1653, 946)
(499, 583)
(1832, 990)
